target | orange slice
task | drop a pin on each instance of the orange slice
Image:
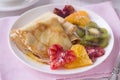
(80, 18)
(82, 57)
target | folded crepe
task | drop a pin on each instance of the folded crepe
(35, 38)
(68, 27)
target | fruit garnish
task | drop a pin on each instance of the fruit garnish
(80, 18)
(94, 52)
(80, 32)
(93, 35)
(82, 57)
(59, 57)
(67, 10)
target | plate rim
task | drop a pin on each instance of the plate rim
(48, 71)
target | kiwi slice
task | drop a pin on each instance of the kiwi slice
(91, 24)
(104, 33)
(104, 43)
(80, 32)
(93, 35)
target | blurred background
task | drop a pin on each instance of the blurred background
(116, 4)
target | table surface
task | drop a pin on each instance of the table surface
(116, 4)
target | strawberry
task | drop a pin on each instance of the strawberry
(59, 57)
(69, 56)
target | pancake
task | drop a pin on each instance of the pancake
(36, 37)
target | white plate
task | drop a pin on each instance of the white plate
(36, 12)
(16, 5)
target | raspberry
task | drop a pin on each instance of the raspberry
(94, 52)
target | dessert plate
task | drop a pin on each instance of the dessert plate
(35, 13)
